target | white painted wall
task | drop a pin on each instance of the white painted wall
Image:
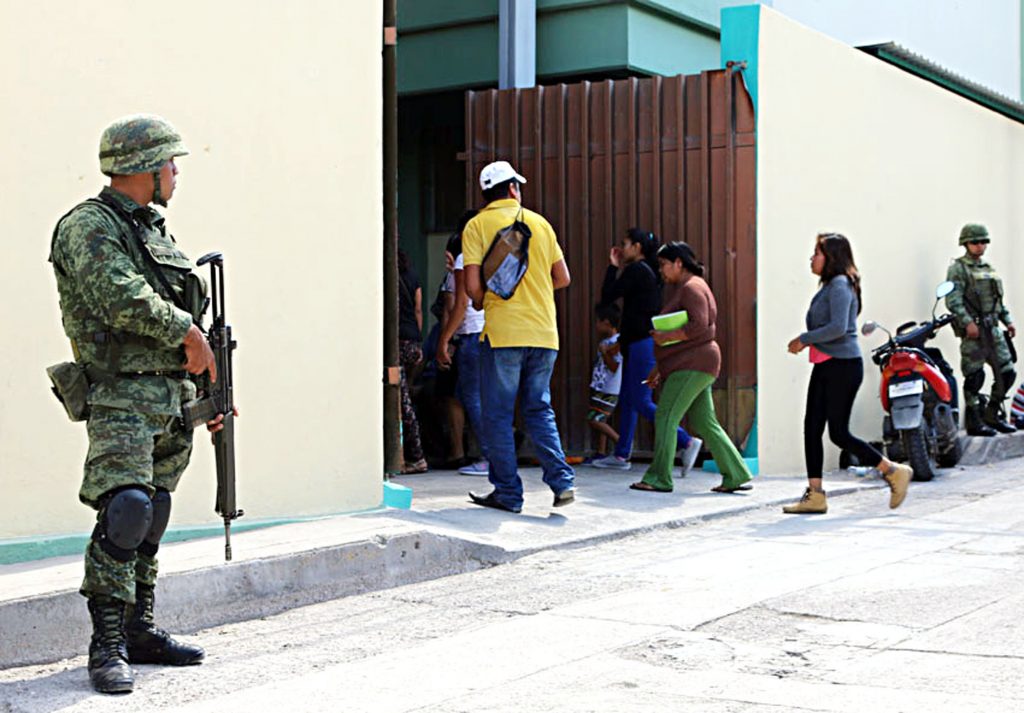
(851, 144)
(280, 104)
(979, 39)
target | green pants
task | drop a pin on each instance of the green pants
(990, 348)
(128, 449)
(688, 393)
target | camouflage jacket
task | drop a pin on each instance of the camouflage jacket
(111, 304)
(978, 294)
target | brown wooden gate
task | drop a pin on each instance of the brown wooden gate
(674, 155)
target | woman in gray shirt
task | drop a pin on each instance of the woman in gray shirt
(838, 371)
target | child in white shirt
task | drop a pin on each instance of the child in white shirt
(606, 380)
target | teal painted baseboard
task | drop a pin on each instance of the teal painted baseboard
(397, 496)
(37, 548)
(750, 450)
(28, 549)
(711, 467)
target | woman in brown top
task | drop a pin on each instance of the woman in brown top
(688, 362)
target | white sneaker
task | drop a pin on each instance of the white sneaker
(689, 456)
(478, 468)
(612, 461)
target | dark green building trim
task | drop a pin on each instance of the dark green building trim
(453, 44)
(926, 69)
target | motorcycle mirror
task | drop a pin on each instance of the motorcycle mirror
(868, 328)
(944, 289)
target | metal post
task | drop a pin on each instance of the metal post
(517, 43)
(392, 396)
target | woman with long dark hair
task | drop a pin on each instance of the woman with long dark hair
(632, 276)
(688, 362)
(838, 371)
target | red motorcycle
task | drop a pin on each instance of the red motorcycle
(919, 395)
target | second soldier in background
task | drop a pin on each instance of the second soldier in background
(978, 308)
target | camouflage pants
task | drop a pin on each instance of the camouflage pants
(128, 448)
(988, 349)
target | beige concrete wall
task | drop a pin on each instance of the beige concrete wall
(280, 104)
(847, 143)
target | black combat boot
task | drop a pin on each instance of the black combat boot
(147, 643)
(974, 423)
(108, 660)
(995, 418)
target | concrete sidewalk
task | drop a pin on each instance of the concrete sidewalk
(43, 618)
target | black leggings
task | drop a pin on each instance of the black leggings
(830, 396)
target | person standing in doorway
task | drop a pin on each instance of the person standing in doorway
(464, 325)
(410, 352)
(519, 340)
(836, 375)
(632, 276)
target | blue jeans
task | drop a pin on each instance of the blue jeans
(524, 371)
(467, 361)
(635, 397)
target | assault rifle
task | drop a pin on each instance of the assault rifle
(217, 398)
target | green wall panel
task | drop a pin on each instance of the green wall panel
(583, 40)
(464, 56)
(453, 44)
(423, 14)
(659, 45)
(703, 13)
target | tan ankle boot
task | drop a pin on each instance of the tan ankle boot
(812, 503)
(899, 480)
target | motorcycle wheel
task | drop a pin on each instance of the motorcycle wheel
(916, 448)
(952, 456)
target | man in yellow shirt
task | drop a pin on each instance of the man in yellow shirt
(519, 343)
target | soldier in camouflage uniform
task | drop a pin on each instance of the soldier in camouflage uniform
(977, 306)
(130, 304)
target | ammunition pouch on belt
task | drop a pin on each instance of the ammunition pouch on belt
(71, 387)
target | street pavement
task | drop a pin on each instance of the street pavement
(862, 609)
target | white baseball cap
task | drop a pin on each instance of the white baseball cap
(498, 172)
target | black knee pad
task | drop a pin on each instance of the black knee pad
(974, 381)
(161, 515)
(123, 522)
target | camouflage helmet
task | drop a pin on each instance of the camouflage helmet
(140, 143)
(973, 231)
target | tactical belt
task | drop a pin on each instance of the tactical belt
(108, 337)
(179, 374)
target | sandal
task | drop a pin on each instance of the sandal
(647, 488)
(724, 489)
(419, 466)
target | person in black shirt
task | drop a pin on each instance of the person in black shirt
(631, 278)
(410, 351)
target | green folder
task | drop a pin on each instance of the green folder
(670, 321)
